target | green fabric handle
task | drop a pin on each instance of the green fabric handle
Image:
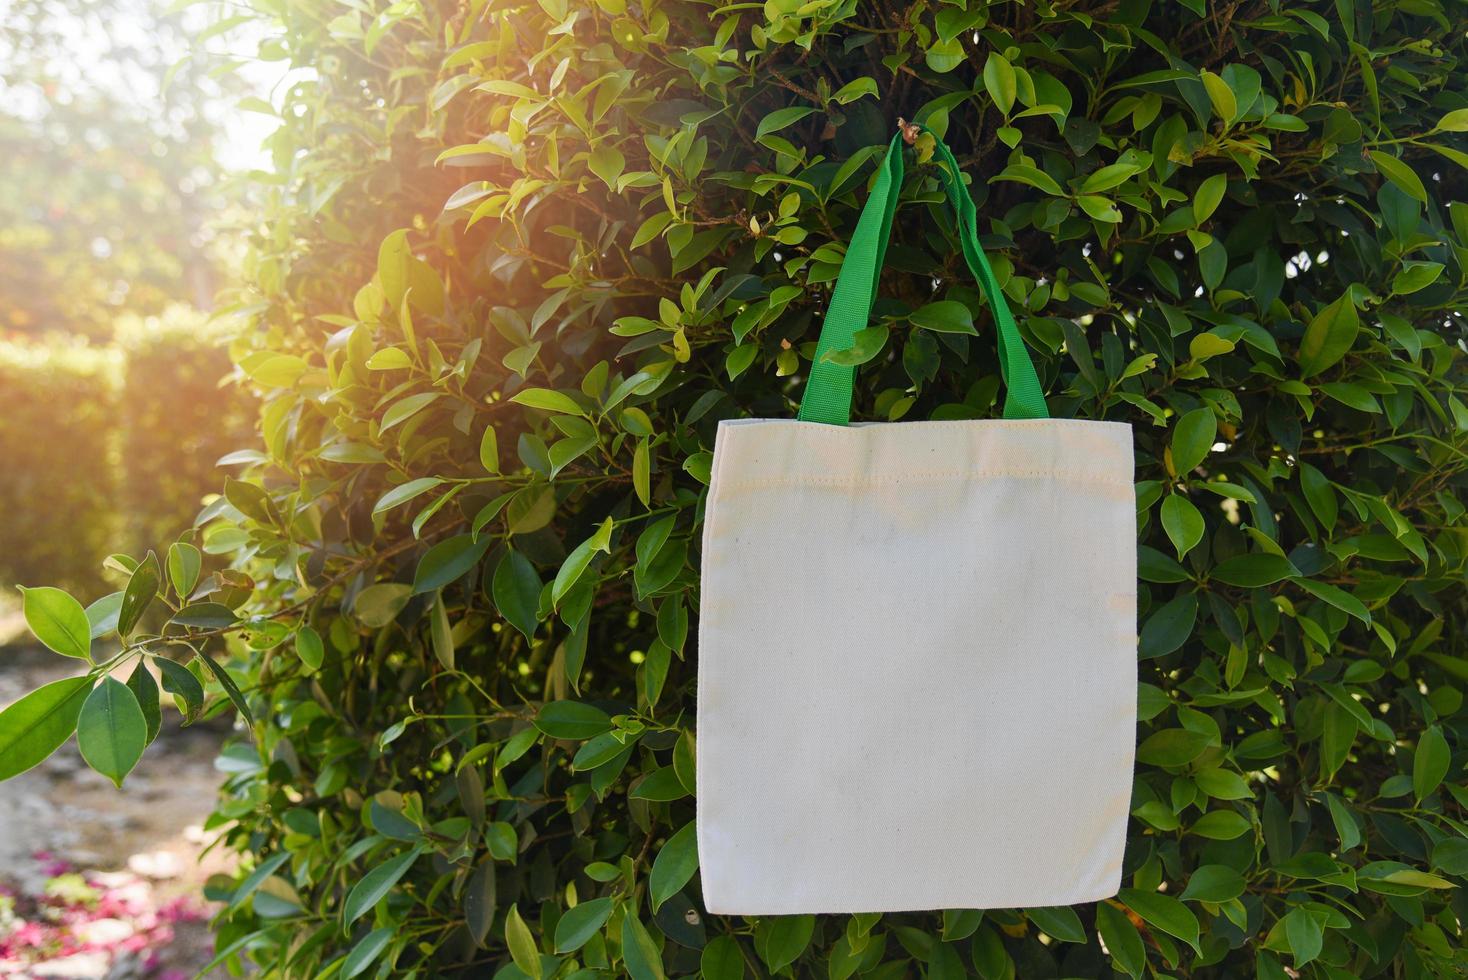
(828, 392)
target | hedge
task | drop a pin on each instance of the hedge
(59, 479)
(181, 410)
(519, 260)
(112, 447)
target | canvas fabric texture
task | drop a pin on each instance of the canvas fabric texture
(917, 665)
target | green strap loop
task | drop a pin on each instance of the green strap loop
(828, 392)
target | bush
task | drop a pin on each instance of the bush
(58, 481)
(179, 414)
(111, 448)
(525, 258)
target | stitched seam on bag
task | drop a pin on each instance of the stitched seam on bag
(928, 476)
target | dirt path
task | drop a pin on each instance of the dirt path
(96, 881)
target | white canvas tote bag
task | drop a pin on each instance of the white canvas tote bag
(917, 641)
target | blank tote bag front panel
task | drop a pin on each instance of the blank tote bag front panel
(917, 641)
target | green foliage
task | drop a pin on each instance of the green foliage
(59, 480)
(596, 230)
(110, 448)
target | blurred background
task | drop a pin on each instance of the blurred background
(129, 148)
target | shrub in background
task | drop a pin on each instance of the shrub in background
(111, 448)
(58, 464)
(178, 414)
(521, 259)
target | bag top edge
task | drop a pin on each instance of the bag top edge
(928, 423)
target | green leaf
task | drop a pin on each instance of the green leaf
(785, 938)
(1169, 627)
(502, 841)
(145, 689)
(1037, 179)
(1400, 174)
(580, 923)
(102, 614)
(639, 953)
(142, 589)
(580, 557)
(489, 450)
(393, 256)
(516, 591)
(1254, 571)
(389, 359)
(572, 720)
(599, 751)
(684, 755)
(1163, 912)
(522, 944)
(944, 316)
(1172, 747)
(405, 408)
(854, 90)
(1222, 97)
(866, 344)
(675, 864)
(378, 605)
(547, 400)
(1105, 178)
(1059, 922)
(1182, 522)
(607, 163)
(944, 963)
(179, 681)
(480, 902)
(255, 878)
(960, 924)
(205, 615)
(1208, 196)
(365, 953)
(722, 959)
(1455, 121)
(1123, 942)
(1214, 883)
(184, 564)
(1352, 395)
(1000, 81)
(310, 648)
(1223, 784)
(373, 886)
(1220, 825)
(231, 689)
(1100, 208)
(1305, 934)
(642, 472)
(1415, 276)
(780, 119)
(662, 786)
(944, 56)
(58, 621)
(112, 730)
(1330, 335)
(1320, 495)
(448, 561)
(1192, 439)
(405, 492)
(1430, 763)
(38, 723)
(1335, 596)
(441, 634)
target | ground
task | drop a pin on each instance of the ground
(97, 882)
